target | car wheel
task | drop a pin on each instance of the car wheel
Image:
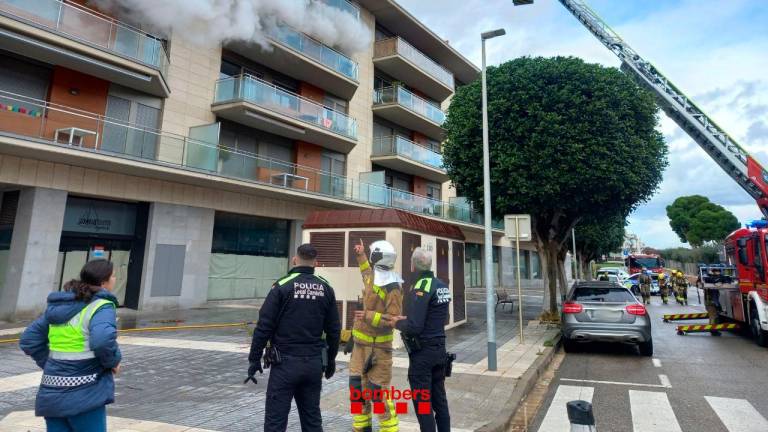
(757, 332)
(569, 345)
(646, 348)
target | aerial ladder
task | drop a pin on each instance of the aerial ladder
(731, 157)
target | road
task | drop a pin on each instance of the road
(692, 383)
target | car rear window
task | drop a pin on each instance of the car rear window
(607, 295)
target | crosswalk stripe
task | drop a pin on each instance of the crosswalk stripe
(651, 412)
(21, 381)
(738, 415)
(556, 419)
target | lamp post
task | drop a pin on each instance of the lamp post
(490, 304)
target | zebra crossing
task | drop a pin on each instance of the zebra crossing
(652, 412)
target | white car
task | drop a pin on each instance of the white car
(631, 283)
(619, 272)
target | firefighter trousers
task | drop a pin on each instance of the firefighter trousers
(377, 382)
(645, 291)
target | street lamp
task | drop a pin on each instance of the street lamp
(490, 304)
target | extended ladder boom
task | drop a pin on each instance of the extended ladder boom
(731, 157)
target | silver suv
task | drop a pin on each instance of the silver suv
(605, 312)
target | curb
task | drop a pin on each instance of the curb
(522, 388)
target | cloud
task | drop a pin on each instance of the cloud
(713, 50)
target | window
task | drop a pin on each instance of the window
(136, 117)
(330, 248)
(24, 78)
(250, 235)
(229, 69)
(603, 295)
(434, 191)
(535, 265)
(336, 104)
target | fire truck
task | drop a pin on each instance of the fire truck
(635, 263)
(745, 300)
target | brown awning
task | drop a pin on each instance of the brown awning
(381, 218)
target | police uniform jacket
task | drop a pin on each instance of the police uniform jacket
(308, 306)
(427, 308)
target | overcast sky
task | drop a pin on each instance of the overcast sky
(715, 51)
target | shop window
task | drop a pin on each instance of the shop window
(535, 265)
(330, 248)
(8, 205)
(367, 237)
(250, 235)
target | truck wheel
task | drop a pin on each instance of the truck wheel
(646, 348)
(760, 335)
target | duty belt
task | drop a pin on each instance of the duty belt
(63, 381)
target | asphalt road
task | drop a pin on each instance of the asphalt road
(695, 382)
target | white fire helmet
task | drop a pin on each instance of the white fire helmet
(382, 258)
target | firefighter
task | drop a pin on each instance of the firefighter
(681, 289)
(423, 333)
(370, 365)
(712, 301)
(663, 287)
(300, 319)
(645, 281)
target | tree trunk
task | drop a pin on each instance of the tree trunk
(551, 250)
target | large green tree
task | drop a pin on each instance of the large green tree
(696, 220)
(568, 140)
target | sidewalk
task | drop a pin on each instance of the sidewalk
(191, 380)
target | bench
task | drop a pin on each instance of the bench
(502, 298)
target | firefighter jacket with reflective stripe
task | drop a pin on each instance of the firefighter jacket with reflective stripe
(379, 304)
(307, 303)
(427, 308)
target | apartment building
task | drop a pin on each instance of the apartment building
(193, 168)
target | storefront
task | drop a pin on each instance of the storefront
(111, 230)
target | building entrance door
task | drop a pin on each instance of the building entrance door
(74, 252)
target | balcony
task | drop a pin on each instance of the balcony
(305, 59)
(85, 40)
(400, 154)
(401, 60)
(259, 104)
(73, 134)
(402, 107)
(344, 6)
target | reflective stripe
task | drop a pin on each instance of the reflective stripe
(288, 278)
(376, 319)
(380, 292)
(63, 355)
(371, 339)
(63, 381)
(427, 282)
(360, 421)
(322, 279)
(365, 266)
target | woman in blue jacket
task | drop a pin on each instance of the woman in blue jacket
(75, 343)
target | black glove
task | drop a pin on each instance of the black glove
(252, 372)
(330, 369)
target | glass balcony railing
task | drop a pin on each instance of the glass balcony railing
(344, 6)
(80, 23)
(21, 116)
(399, 95)
(399, 146)
(251, 89)
(315, 50)
(398, 46)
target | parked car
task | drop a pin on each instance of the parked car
(632, 284)
(620, 273)
(605, 312)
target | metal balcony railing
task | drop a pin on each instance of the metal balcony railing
(399, 95)
(399, 146)
(266, 95)
(315, 50)
(25, 117)
(398, 46)
(86, 25)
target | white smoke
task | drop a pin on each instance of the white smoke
(211, 22)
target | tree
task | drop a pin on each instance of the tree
(568, 140)
(696, 220)
(599, 236)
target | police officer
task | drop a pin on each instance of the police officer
(297, 311)
(424, 334)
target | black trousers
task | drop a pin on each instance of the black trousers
(426, 371)
(294, 378)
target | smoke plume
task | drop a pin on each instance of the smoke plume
(211, 22)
